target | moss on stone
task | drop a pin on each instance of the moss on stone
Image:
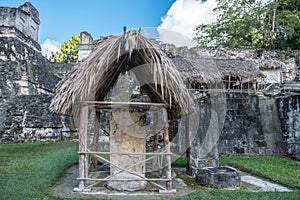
(31, 69)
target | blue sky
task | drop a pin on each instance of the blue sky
(61, 19)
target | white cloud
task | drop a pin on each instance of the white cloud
(178, 25)
(49, 46)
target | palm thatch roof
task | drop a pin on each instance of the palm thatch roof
(94, 78)
(270, 64)
(205, 70)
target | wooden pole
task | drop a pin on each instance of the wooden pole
(83, 161)
(168, 157)
(155, 124)
(96, 139)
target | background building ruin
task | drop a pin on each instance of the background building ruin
(261, 95)
(27, 80)
(269, 115)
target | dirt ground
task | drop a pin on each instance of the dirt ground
(183, 184)
(68, 182)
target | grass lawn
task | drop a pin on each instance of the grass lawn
(278, 170)
(28, 170)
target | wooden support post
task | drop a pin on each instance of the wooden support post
(83, 158)
(96, 139)
(155, 128)
(168, 157)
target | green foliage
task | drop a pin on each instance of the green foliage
(287, 24)
(31, 68)
(239, 24)
(251, 23)
(70, 47)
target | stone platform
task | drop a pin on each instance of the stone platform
(64, 188)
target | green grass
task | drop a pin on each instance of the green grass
(278, 170)
(29, 170)
(241, 195)
(178, 161)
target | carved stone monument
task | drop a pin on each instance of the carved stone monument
(128, 148)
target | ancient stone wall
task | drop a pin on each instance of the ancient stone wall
(289, 114)
(202, 152)
(27, 81)
(10, 35)
(250, 128)
(289, 59)
(242, 131)
(25, 19)
(270, 122)
(21, 63)
(7, 16)
(256, 125)
(253, 125)
(26, 118)
(85, 45)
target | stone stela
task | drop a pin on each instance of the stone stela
(129, 161)
(127, 135)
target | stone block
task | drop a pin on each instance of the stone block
(130, 182)
(218, 177)
(128, 138)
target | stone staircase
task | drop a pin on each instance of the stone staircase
(291, 87)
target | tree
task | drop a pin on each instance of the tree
(252, 23)
(287, 23)
(239, 24)
(70, 47)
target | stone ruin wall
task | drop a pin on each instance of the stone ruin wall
(24, 18)
(85, 46)
(251, 127)
(12, 32)
(255, 125)
(289, 59)
(27, 81)
(289, 114)
(21, 23)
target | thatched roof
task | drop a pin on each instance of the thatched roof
(270, 64)
(198, 70)
(204, 70)
(94, 78)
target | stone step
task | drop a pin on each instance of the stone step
(291, 87)
(292, 84)
(264, 185)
